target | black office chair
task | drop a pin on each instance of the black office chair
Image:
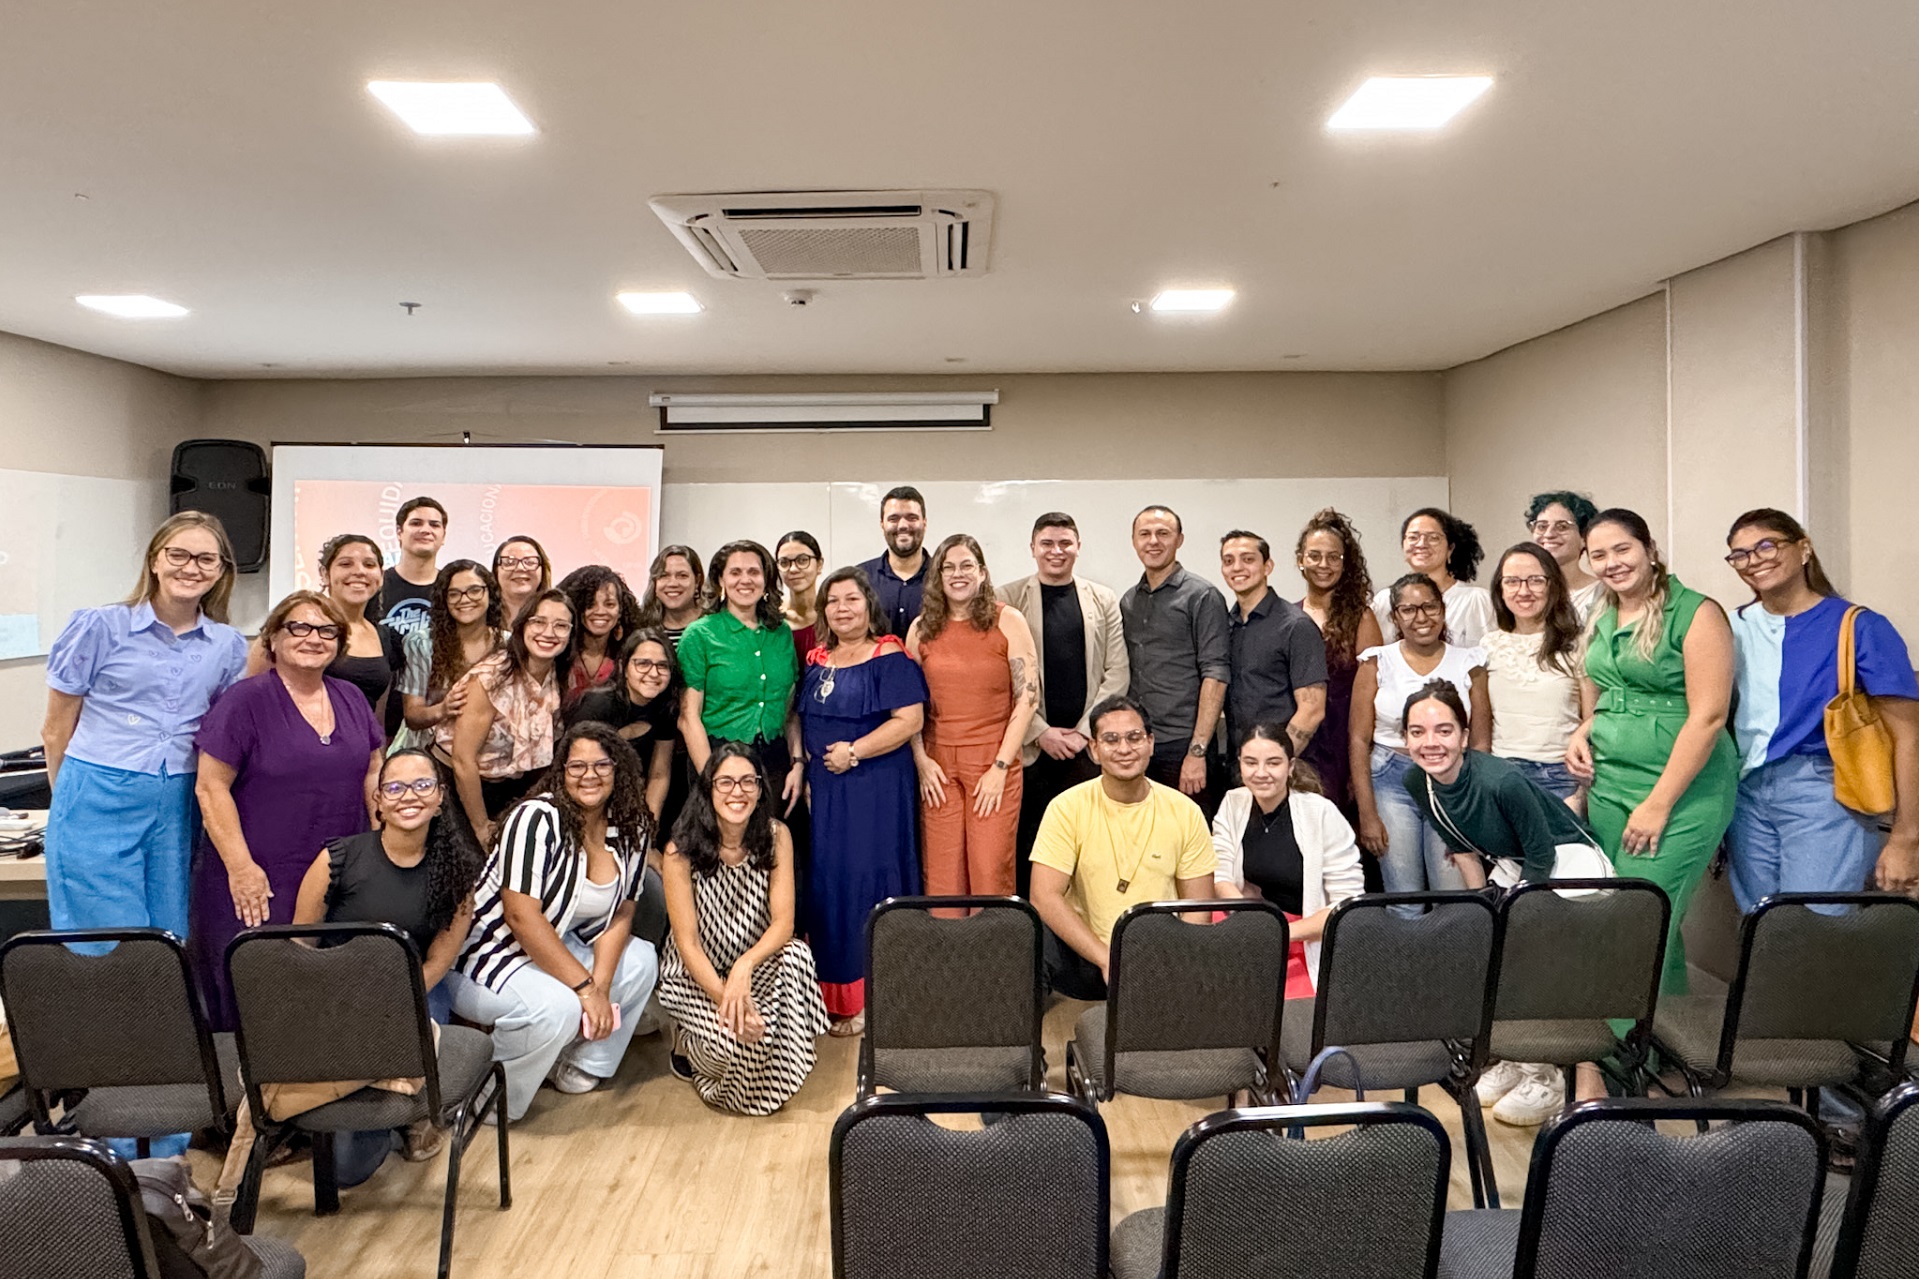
(1877, 1238)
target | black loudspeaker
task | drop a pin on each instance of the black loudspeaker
(227, 479)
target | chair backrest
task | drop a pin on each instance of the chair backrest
(1022, 1196)
(1609, 1194)
(1592, 957)
(352, 1007)
(1878, 1240)
(128, 1016)
(72, 1211)
(1807, 974)
(1248, 1199)
(973, 982)
(1174, 985)
(1386, 978)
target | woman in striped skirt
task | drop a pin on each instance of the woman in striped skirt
(740, 985)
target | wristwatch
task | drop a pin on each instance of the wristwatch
(1001, 764)
(1197, 750)
(852, 755)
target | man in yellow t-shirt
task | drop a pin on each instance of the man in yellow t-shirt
(1107, 845)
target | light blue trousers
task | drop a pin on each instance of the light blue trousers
(1789, 835)
(119, 845)
(1416, 859)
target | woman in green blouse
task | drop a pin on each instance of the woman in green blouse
(1654, 745)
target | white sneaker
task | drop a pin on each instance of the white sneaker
(569, 1078)
(1499, 1079)
(1540, 1096)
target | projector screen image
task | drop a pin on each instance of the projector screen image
(585, 506)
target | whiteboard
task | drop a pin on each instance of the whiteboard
(845, 518)
(67, 542)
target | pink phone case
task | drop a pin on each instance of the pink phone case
(586, 1026)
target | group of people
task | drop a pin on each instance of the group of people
(576, 796)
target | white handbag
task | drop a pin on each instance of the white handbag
(1575, 860)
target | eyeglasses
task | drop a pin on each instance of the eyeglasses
(1764, 551)
(300, 630)
(1423, 539)
(1542, 527)
(421, 786)
(1135, 738)
(597, 767)
(466, 594)
(542, 626)
(522, 561)
(794, 562)
(958, 570)
(1534, 583)
(646, 665)
(746, 785)
(1317, 558)
(1419, 610)
(205, 561)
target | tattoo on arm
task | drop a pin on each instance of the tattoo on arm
(1025, 687)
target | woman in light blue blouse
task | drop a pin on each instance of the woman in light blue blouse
(127, 686)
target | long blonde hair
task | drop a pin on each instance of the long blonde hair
(935, 611)
(214, 602)
(1651, 627)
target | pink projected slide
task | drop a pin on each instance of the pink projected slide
(577, 524)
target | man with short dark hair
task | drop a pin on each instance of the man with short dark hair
(1082, 661)
(1178, 643)
(1278, 653)
(1109, 844)
(899, 574)
(406, 592)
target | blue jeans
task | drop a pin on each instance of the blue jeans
(1789, 835)
(1416, 858)
(1550, 776)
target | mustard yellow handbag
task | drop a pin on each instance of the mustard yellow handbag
(1856, 737)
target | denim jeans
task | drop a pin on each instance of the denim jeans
(1789, 835)
(1416, 858)
(1551, 776)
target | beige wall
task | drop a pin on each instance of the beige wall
(78, 414)
(1091, 426)
(1583, 408)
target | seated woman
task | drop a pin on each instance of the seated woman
(1499, 822)
(741, 986)
(552, 964)
(416, 871)
(1288, 845)
(643, 706)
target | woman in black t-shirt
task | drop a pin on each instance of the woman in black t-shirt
(643, 706)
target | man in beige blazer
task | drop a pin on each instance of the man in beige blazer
(1082, 660)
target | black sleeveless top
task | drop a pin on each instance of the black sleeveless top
(365, 887)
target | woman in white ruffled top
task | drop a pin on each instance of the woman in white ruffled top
(1533, 668)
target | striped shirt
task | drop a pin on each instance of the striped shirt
(533, 858)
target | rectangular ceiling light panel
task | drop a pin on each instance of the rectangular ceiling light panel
(1408, 102)
(660, 303)
(131, 306)
(452, 109)
(1192, 299)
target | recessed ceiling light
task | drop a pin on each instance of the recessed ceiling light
(131, 306)
(660, 303)
(457, 108)
(1192, 299)
(1408, 102)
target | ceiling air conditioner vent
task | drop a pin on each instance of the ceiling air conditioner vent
(833, 235)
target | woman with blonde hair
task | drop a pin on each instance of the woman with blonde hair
(982, 679)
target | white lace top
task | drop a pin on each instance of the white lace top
(1534, 711)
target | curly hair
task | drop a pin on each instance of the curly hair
(454, 858)
(768, 609)
(1559, 646)
(582, 586)
(1463, 551)
(1421, 581)
(652, 612)
(696, 835)
(1578, 505)
(626, 809)
(449, 657)
(982, 611)
(1351, 597)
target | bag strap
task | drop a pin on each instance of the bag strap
(1439, 812)
(1309, 1082)
(1848, 654)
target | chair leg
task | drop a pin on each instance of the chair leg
(499, 1123)
(1812, 1103)
(1412, 1096)
(454, 1149)
(1479, 1155)
(143, 1147)
(326, 1182)
(246, 1201)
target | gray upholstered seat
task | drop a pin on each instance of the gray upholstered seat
(1689, 1026)
(953, 1069)
(1382, 1067)
(1479, 1244)
(465, 1057)
(1176, 1074)
(1023, 1197)
(1552, 1041)
(14, 1111)
(1877, 1239)
(1246, 1198)
(156, 1110)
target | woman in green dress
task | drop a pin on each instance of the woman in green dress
(1654, 746)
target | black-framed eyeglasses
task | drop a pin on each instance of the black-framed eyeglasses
(421, 786)
(519, 561)
(646, 665)
(1534, 583)
(793, 563)
(300, 630)
(1419, 610)
(466, 594)
(1764, 551)
(597, 767)
(746, 785)
(205, 561)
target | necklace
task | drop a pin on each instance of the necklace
(1125, 881)
(825, 690)
(1268, 821)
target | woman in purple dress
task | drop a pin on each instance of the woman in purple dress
(861, 700)
(288, 762)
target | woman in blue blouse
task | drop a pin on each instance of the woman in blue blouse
(127, 686)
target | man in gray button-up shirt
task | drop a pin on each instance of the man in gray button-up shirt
(1178, 644)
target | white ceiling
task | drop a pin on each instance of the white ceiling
(232, 161)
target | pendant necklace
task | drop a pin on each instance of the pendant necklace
(1125, 881)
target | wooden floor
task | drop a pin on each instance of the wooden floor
(640, 1179)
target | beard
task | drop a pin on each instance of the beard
(906, 543)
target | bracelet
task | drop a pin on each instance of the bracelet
(584, 984)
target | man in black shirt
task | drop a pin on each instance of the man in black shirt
(898, 574)
(407, 588)
(1278, 654)
(1082, 659)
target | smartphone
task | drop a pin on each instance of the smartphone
(586, 1024)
